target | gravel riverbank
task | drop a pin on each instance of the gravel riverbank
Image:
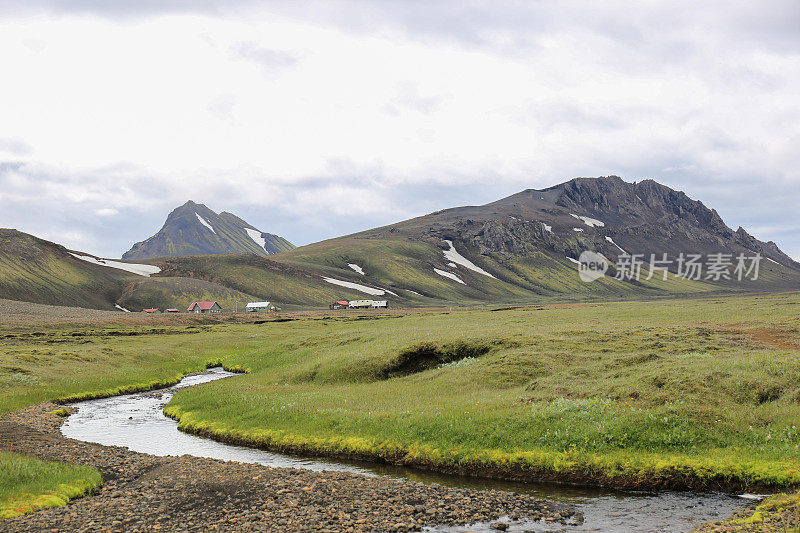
(144, 492)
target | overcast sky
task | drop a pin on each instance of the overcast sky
(315, 121)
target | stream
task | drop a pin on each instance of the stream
(136, 421)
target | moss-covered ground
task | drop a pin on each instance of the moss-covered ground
(27, 483)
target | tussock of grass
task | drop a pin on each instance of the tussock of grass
(144, 387)
(27, 484)
(118, 391)
(237, 369)
(780, 512)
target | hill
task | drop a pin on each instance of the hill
(40, 271)
(515, 251)
(194, 229)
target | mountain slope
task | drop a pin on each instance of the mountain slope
(39, 271)
(194, 229)
(644, 217)
(529, 243)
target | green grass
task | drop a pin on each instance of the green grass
(701, 393)
(27, 483)
(45, 364)
(621, 391)
(780, 512)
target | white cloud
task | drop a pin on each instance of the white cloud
(344, 107)
(106, 212)
(11, 146)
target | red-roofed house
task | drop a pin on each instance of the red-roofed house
(150, 311)
(340, 304)
(205, 307)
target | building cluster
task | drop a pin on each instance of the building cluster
(214, 307)
(267, 307)
(359, 304)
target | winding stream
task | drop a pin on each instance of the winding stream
(136, 421)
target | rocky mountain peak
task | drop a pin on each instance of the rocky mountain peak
(195, 229)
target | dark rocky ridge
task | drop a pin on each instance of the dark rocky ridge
(643, 217)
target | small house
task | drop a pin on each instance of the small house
(259, 307)
(151, 311)
(380, 304)
(172, 310)
(340, 304)
(205, 307)
(360, 304)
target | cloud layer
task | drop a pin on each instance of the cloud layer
(333, 117)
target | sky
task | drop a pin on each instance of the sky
(316, 119)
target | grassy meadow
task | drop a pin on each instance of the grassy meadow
(690, 393)
(27, 483)
(699, 393)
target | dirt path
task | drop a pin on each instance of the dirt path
(144, 492)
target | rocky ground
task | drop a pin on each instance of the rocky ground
(143, 492)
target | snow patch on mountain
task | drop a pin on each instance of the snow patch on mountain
(256, 236)
(121, 308)
(356, 286)
(141, 270)
(591, 222)
(357, 268)
(547, 227)
(205, 223)
(609, 239)
(449, 275)
(577, 229)
(455, 257)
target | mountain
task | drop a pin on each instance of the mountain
(194, 229)
(40, 271)
(518, 250)
(527, 245)
(604, 214)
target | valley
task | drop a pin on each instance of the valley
(671, 394)
(504, 354)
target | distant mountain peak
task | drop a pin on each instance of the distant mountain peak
(195, 229)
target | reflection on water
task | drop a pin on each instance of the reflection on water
(136, 421)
